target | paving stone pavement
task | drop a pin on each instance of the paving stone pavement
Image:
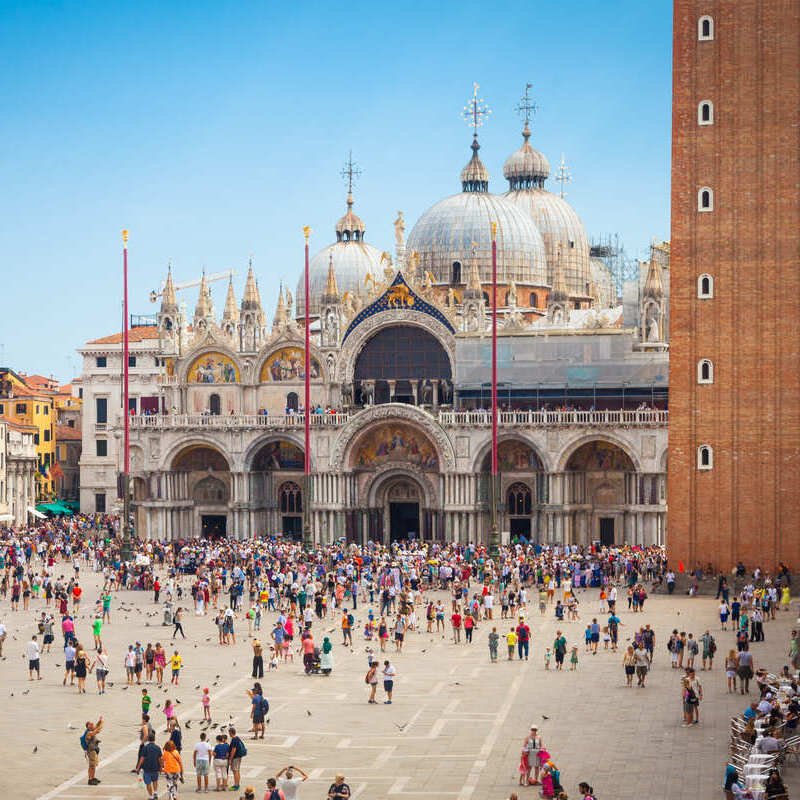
(454, 730)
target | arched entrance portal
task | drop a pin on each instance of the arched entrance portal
(522, 488)
(276, 478)
(394, 462)
(601, 484)
(204, 481)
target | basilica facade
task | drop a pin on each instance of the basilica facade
(400, 369)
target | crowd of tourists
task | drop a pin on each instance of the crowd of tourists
(452, 589)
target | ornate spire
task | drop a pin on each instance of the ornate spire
(281, 316)
(331, 294)
(350, 227)
(474, 287)
(654, 283)
(251, 301)
(203, 311)
(526, 168)
(475, 176)
(231, 312)
(559, 292)
(169, 300)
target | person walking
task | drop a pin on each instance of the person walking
(201, 760)
(339, 790)
(175, 662)
(150, 764)
(697, 692)
(33, 653)
(237, 751)
(258, 659)
(371, 679)
(100, 667)
(455, 621)
(744, 669)
(494, 638)
(389, 675)
(629, 663)
(560, 650)
(523, 639)
(177, 620)
(642, 664)
(172, 767)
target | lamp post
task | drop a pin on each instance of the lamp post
(126, 550)
(494, 535)
(308, 539)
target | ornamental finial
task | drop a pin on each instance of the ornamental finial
(306, 232)
(125, 237)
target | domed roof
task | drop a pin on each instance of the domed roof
(562, 231)
(526, 167)
(352, 260)
(449, 231)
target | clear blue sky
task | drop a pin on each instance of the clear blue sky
(214, 130)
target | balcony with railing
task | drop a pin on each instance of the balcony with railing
(556, 419)
(235, 421)
(605, 418)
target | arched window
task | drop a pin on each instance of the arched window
(487, 299)
(455, 273)
(705, 371)
(518, 500)
(705, 29)
(705, 113)
(292, 402)
(705, 199)
(291, 498)
(705, 287)
(705, 457)
(214, 405)
(534, 300)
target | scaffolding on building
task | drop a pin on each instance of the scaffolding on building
(611, 252)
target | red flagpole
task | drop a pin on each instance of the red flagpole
(125, 355)
(494, 350)
(306, 234)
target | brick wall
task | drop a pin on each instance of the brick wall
(748, 505)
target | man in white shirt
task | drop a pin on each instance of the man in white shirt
(3, 634)
(32, 650)
(201, 758)
(290, 783)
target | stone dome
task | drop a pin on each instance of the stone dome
(446, 234)
(562, 229)
(352, 260)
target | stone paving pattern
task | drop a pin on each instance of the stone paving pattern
(454, 730)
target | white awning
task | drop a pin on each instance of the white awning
(34, 513)
(6, 517)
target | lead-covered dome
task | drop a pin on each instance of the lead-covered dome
(560, 226)
(353, 260)
(448, 233)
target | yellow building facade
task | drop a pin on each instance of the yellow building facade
(28, 403)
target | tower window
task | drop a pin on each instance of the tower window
(705, 199)
(705, 371)
(705, 29)
(705, 457)
(705, 113)
(455, 273)
(534, 301)
(705, 287)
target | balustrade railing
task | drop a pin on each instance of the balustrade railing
(177, 421)
(536, 419)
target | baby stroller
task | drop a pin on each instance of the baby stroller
(311, 662)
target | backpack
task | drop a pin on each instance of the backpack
(264, 706)
(351, 620)
(241, 750)
(84, 743)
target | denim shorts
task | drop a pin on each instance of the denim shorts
(149, 777)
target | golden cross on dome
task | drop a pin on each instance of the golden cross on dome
(350, 172)
(526, 108)
(563, 175)
(476, 111)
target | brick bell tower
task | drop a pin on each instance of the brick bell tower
(734, 438)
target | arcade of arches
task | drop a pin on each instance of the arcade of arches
(394, 486)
